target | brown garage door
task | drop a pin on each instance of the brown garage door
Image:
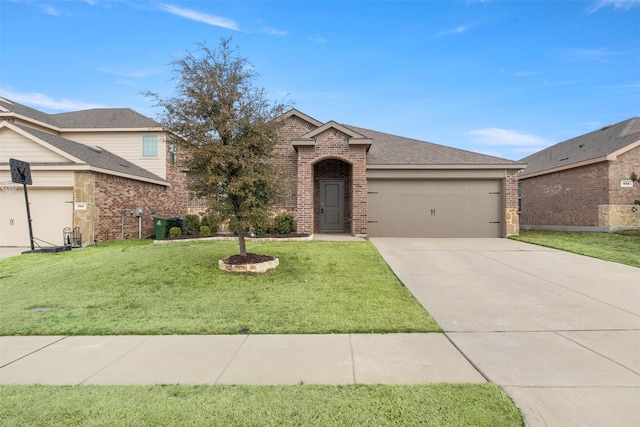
(434, 208)
(50, 210)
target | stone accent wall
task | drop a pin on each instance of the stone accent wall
(619, 216)
(511, 214)
(84, 192)
(567, 198)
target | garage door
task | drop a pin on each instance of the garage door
(434, 208)
(50, 210)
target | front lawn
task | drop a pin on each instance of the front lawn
(302, 405)
(136, 287)
(623, 247)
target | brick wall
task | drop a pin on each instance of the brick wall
(332, 144)
(626, 164)
(112, 202)
(566, 198)
(286, 158)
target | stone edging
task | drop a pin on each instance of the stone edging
(260, 267)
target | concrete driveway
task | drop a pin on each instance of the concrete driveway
(559, 332)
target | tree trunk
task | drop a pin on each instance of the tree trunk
(243, 246)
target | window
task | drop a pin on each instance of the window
(150, 146)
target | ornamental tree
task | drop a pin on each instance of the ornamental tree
(226, 133)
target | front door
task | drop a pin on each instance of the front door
(332, 206)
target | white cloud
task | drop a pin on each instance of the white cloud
(273, 31)
(579, 54)
(35, 99)
(50, 10)
(457, 30)
(504, 137)
(317, 40)
(130, 74)
(214, 20)
(616, 4)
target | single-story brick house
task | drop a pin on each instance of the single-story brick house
(90, 169)
(347, 179)
(93, 169)
(584, 183)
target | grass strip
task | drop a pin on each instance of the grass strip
(623, 247)
(140, 288)
(301, 405)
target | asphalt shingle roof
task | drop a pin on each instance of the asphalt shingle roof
(104, 118)
(593, 145)
(96, 118)
(93, 156)
(23, 110)
(389, 149)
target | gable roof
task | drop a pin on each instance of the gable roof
(96, 158)
(104, 118)
(96, 118)
(597, 146)
(388, 150)
(9, 108)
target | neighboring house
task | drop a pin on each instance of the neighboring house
(91, 169)
(584, 183)
(347, 179)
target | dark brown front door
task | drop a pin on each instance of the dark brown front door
(332, 206)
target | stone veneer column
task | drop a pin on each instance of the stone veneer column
(84, 192)
(511, 215)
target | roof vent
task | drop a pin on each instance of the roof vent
(581, 145)
(607, 126)
(94, 148)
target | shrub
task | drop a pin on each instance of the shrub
(205, 231)
(211, 221)
(283, 224)
(261, 225)
(175, 232)
(191, 225)
(233, 226)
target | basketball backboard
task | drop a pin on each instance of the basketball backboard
(20, 171)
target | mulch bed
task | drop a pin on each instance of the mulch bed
(249, 259)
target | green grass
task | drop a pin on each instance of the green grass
(302, 405)
(139, 288)
(623, 247)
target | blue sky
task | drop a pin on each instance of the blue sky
(505, 78)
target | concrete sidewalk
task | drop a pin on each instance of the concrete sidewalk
(234, 359)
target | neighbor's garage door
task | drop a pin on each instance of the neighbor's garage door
(434, 208)
(50, 210)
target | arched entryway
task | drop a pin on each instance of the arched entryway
(332, 198)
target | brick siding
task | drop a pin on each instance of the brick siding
(112, 202)
(578, 196)
(566, 198)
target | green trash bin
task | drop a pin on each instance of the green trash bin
(161, 227)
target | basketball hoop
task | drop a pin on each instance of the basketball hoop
(8, 186)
